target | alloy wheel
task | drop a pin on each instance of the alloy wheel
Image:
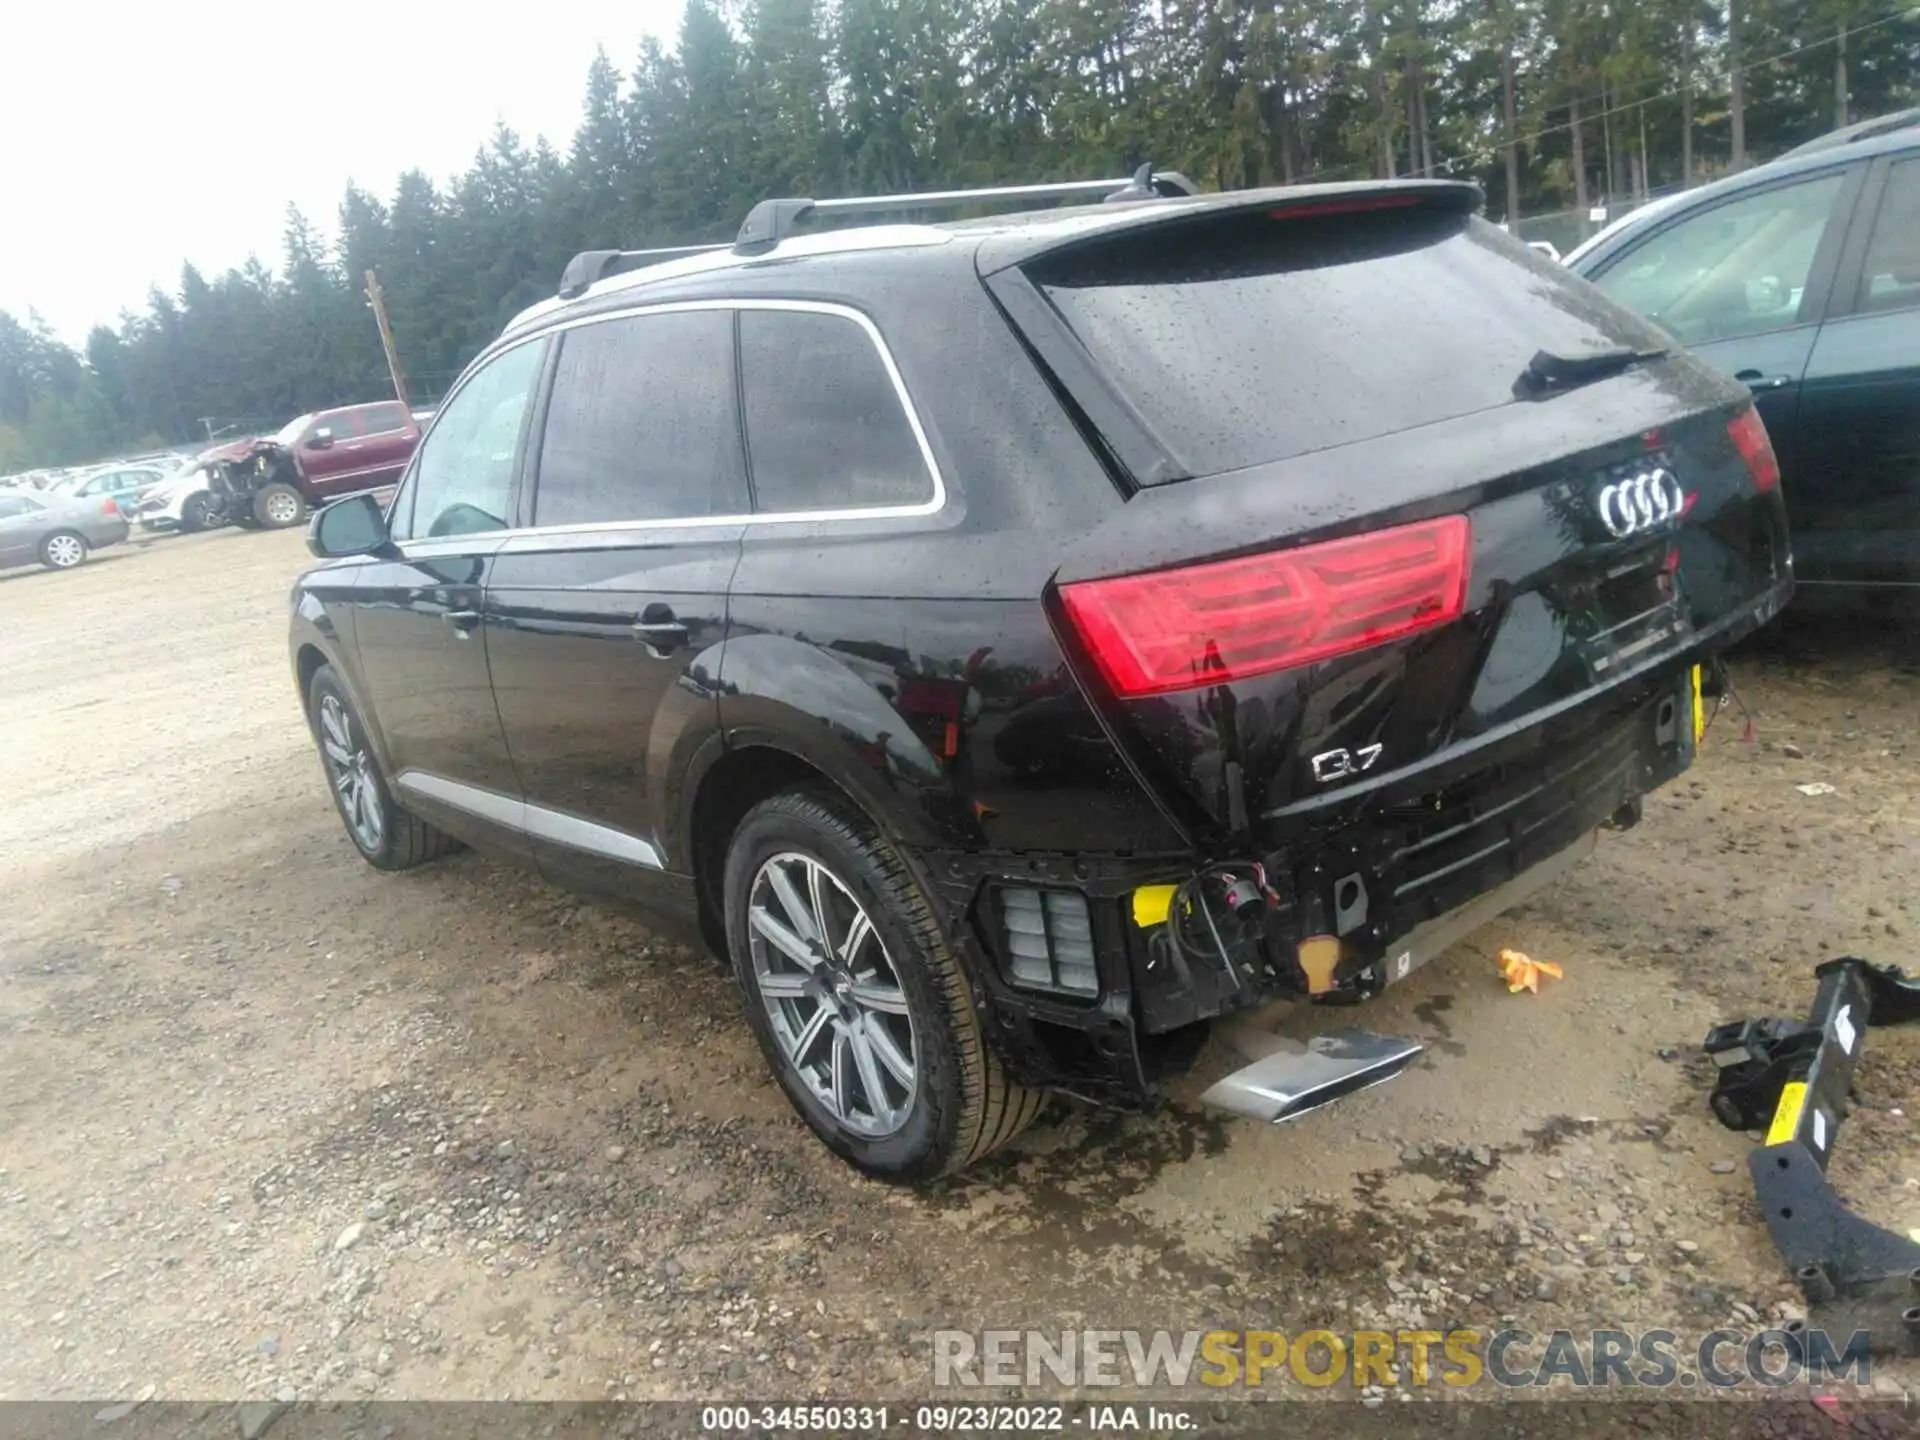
(65, 551)
(282, 508)
(350, 767)
(837, 1008)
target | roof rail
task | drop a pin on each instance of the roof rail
(771, 221)
(590, 266)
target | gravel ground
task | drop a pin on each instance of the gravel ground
(272, 1123)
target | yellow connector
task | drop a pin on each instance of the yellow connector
(1151, 904)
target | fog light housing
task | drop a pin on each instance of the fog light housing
(1046, 941)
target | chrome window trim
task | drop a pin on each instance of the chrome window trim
(528, 537)
(537, 821)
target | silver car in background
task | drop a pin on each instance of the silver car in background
(59, 531)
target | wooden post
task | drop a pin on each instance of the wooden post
(1736, 86)
(379, 302)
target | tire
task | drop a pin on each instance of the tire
(278, 506)
(194, 514)
(961, 1105)
(63, 550)
(387, 835)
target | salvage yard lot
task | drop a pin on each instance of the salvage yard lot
(270, 1120)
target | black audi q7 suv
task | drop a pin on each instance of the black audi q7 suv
(1019, 641)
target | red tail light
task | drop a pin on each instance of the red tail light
(1750, 438)
(108, 507)
(1203, 624)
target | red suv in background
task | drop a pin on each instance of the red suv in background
(357, 447)
(313, 459)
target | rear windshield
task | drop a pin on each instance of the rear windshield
(1264, 336)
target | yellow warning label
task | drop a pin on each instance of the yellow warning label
(1699, 708)
(1786, 1118)
(1151, 904)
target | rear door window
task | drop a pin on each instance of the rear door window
(1890, 276)
(379, 419)
(643, 423)
(826, 426)
(1256, 337)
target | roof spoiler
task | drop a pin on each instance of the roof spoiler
(1281, 202)
(773, 220)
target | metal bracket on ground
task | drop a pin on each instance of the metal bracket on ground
(1855, 1275)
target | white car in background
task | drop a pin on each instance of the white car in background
(183, 501)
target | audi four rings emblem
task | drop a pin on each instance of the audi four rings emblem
(1640, 503)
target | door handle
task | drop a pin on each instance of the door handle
(464, 622)
(662, 637)
(1757, 382)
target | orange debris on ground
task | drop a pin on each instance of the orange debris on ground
(1522, 973)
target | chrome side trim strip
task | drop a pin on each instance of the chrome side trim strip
(536, 821)
(507, 810)
(577, 834)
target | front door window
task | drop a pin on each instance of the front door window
(1737, 269)
(463, 479)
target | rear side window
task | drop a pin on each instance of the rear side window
(826, 428)
(642, 424)
(1890, 278)
(378, 419)
(1256, 337)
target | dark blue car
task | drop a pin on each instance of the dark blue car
(1802, 278)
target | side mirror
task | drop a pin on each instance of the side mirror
(320, 439)
(354, 526)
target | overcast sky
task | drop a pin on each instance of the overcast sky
(142, 135)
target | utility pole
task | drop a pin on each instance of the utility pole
(1736, 86)
(1509, 122)
(1686, 107)
(377, 299)
(1840, 78)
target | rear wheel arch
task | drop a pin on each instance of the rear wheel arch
(736, 781)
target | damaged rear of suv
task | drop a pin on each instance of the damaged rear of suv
(1020, 642)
